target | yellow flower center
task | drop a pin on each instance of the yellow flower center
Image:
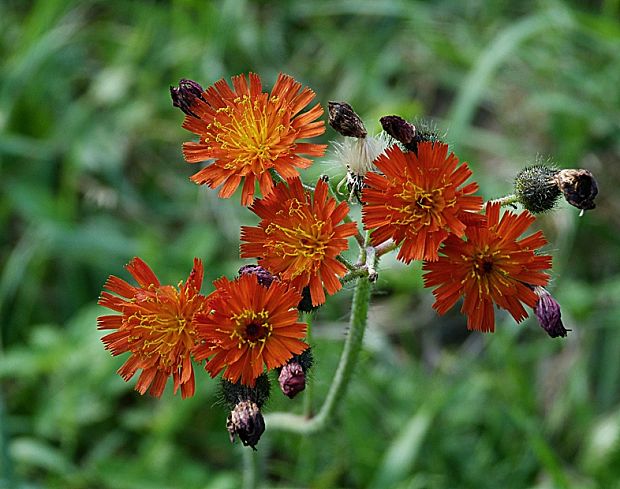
(164, 328)
(251, 328)
(306, 242)
(420, 208)
(486, 268)
(250, 131)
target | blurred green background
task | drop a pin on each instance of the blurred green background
(92, 174)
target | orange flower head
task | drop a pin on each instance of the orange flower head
(491, 266)
(248, 133)
(417, 201)
(299, 237)
(249, 326)
(156, 325)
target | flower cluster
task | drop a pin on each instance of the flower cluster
(416, 197)
(239, 328)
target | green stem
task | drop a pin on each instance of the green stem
(250, 480)
(346, 263)
(309, 390)
(507, 200)
(352, 346)
(353, 274)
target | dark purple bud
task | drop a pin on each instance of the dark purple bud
(399, 129)
(246, 422)
(548, 312)
(185, 95)
(343, 119)
(292, 379)
(264, 277)
(579, 188)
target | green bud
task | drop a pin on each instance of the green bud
(536, 188)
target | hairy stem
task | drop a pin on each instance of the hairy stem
(511, 199)
(352, 346)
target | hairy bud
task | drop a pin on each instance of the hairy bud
(233, 393)
(247, 422)
(184, 96)
(536, 188)
(345, 121)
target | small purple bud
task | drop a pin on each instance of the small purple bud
(292, 379)
(548, 312)
(185, 95)
(246, 422)
(264, 276)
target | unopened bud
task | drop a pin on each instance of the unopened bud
(185, 95)
(292, 379)
(400, 129)
(548, 313)
(264, 276)
(247, 422)
(579, 188)
(233, 393)
(345, 121)
(536, 188)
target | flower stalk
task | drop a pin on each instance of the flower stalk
(350, 353)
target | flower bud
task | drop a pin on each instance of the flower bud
(548, 313)
(233, 393)
(263, 275)
(247, 422)
(579, 188)
(292, 379)
(536, 188)
(292, 376)
(185, 95)
(400, 129)
(345, 121)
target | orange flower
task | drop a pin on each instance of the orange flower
(155, 325)
(299, 238)
(490, 267)
(249, 325)
(248, 133)
(417, 201)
